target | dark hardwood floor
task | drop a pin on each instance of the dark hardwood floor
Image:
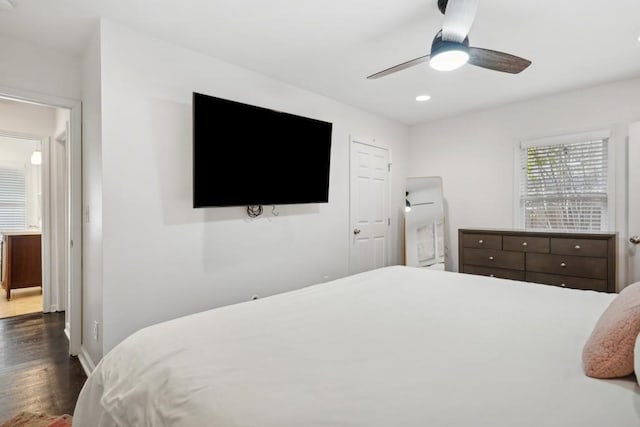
(36, 372)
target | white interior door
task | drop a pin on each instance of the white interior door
(54, 225)
(58, 222)
(370, 222)
(634, 203)
(45, 187)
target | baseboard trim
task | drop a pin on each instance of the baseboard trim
(85, 360)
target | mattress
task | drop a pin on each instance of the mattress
(398, 346)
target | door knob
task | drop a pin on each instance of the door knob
(356, 231)
(635, 240)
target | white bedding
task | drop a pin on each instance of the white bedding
(399, 346)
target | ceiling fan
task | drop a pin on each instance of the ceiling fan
(450, 48)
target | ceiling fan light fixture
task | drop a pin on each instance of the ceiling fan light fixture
(449, 60)
(448, 55)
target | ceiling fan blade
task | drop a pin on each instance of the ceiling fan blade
(497, 61)
(458, 19)
(399, 67)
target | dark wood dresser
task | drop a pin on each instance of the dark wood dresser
(571, 260)
(21, 260)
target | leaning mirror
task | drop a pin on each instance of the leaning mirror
(424, 223)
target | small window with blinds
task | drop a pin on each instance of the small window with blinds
(564, 186)
(12, 199)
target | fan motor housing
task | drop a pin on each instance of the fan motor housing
(438, 45)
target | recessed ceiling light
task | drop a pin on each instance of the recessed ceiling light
(7, 4)
(423, 98)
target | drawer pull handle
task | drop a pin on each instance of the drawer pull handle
(480, 241)
(563, 285)
(490, 258)
(576, 247)
(563, 265)
(524, 244)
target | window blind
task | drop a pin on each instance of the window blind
(564, 186)
(12, 199)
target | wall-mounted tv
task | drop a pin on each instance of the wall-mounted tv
(244, 155)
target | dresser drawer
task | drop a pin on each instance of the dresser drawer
(568, 265)
(486, 241)
(568, 281)
(579, 247)
(494, 258)
(526, 244)
(494, 272)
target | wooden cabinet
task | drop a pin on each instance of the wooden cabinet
(572, 260)
(21, 261)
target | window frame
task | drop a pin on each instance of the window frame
(518, 214)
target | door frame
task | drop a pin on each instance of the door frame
(353, 139)
(633, 207)
(74, 191)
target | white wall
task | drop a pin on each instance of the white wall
(22, 119)
(33, 184)
(92, 198)
(161, 257)
(24, 65)
(474, 153)
(16, 152)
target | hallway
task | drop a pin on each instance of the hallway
(23, 301)
(36, 371)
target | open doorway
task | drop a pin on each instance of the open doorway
(33, 207)
(20, 225)
(67, 116)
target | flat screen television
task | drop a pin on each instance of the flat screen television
(244, 155)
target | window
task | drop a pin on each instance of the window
(564, 185)
(12, 199)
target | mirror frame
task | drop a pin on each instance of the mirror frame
(438, 232)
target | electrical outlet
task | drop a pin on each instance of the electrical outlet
(96, 329)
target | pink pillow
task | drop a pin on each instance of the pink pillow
(608, 352)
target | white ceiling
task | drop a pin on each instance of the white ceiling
(330, 46)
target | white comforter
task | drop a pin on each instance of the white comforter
(398, 346)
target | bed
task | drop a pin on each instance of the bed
(398, 346)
